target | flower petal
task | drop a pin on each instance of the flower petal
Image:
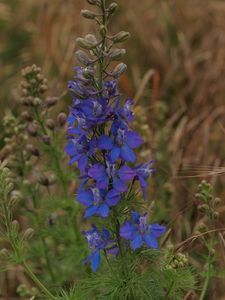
(151, 241)
(135, 216)
(85, 197)
(133, 139)
(127, 154)
(90, 211)
(119, 185)
(103, 210)
(114, 154)
(97, 171)
(96, 261)
(105, 143)
(157, 230)
(136, 242)
(127, 230)
(112, 198)
(126, 173)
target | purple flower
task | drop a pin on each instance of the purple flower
(97, 241)
(143, 172)
(121, 145)
(138, 231)
(102, 175)
(98, 201)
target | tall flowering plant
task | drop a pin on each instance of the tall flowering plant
(102, 143)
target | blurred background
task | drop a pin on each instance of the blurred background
(176, 73)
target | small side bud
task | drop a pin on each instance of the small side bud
(112, 8)
(28, 234)
(50, 124)
(92, 2)
(119, 70)
(216, 201)
(4, 253)
(46, 139)
(15, 226)
(51, 101)
(83, 58)
(117, 54)
(61, 119)
(88, 14)
(32, 129)
(43, 180)
(120, 37)
(26, 116)
(85, 44)
(34, 151)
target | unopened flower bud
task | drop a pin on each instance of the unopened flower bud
(36, 102)
(50, 124)
(120, 37)
(203, 208)
(92, 2)
(4, 253)
(26, 116)
(112, 7)
(103, 30)
(216, 214)
(34, 151)
(51, 101)
(43, 88)
(46, 139)
(43, 180)
(117, 54)
(84, 43)
(88, 72)
(32, 129)
(119, 70)
(83, 57)
(61, 119)
(15, 226)
(216, 201)
(28, 234)
(88, 14)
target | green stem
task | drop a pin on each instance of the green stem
(206, 282)
(16, 250)
(169, 290)
(38, 282)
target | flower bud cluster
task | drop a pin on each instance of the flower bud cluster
(207, 203)
(33, 86)
(178, 260)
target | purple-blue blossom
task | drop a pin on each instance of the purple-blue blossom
(98, 241)
(139, 232)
